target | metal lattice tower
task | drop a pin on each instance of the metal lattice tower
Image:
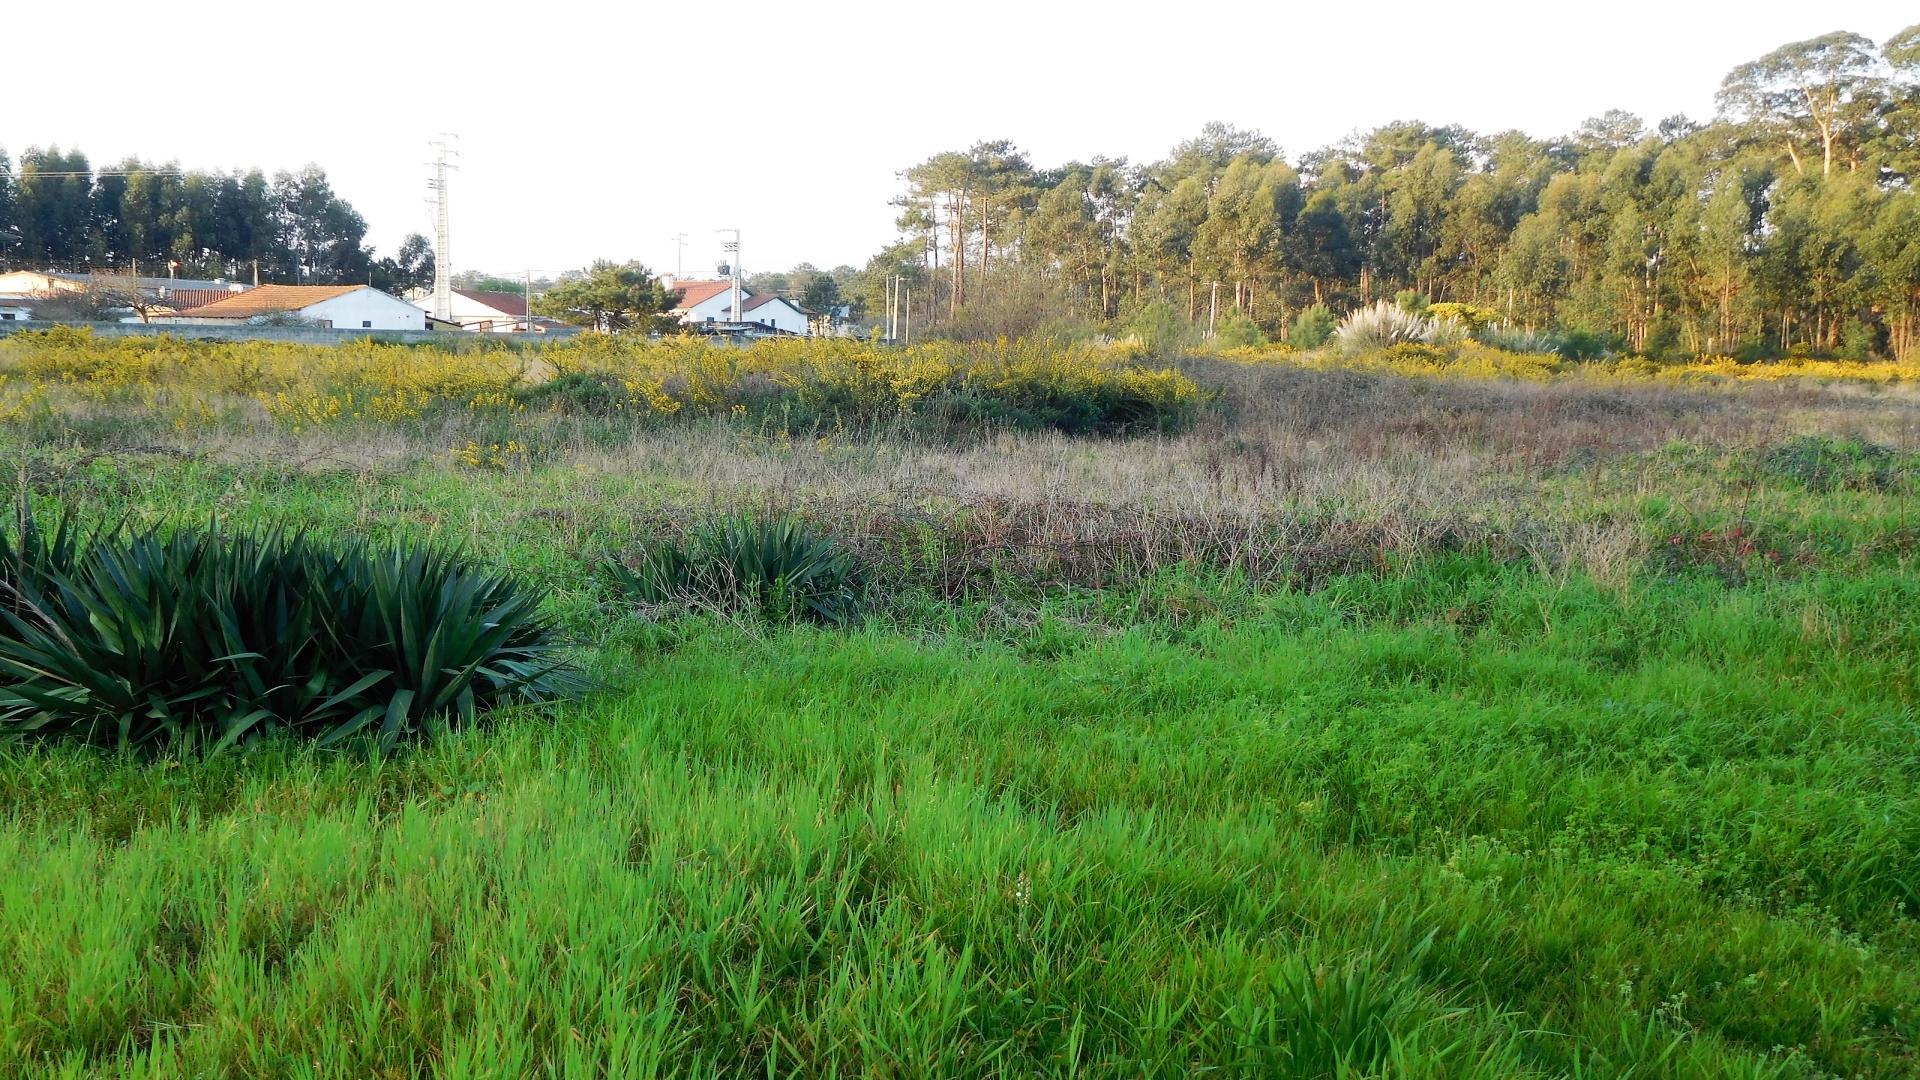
(732, 248)
(442, 229)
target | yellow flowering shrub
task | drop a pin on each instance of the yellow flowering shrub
(490, 456)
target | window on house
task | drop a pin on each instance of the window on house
(8, 317)
(366, 324)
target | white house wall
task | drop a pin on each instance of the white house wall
(713, 307)
(777, 314)
(366, 309)
(476, 316)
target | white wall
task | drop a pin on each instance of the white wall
(714, 307)
(28, 282)
(367, 309)
(779, 315)
(471, 314)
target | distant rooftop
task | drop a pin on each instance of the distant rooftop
(269, 300)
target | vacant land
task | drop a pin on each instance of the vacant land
(1316, 720)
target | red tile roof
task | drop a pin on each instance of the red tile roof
(182, 299)
(268, 300)
(699, 292)
(506, 303)
(768, 298)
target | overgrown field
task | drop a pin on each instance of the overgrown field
(1242, 716)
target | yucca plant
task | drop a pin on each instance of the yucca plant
(196, 640)
(28, 553)
(778, 568)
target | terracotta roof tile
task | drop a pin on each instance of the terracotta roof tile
(269, 300)
(699, 292)
(506, 303)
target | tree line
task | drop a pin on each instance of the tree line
(1787, 222)
(57, 211)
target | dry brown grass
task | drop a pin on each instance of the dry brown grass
(1297, 475)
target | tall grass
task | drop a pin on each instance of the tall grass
(1345, 837)
(1555, 723)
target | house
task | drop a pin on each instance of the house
(703, 301)
(776, 313)
(491, 312)
(341, 307)
(15, 308)
(711, 303)
(156, 295)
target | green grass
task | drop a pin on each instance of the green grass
(1614, 773)
(1351, 833)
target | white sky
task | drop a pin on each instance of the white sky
(602, 129)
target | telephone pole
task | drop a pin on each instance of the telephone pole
(442, 228)
(679, 256)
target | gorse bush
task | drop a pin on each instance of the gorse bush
(778, 568)
(198, 641)
(1073, 386)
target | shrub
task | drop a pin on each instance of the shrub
(589, 393)
(1381, 326)
(1513, 339)
(1468, 315)
(1235, 330)
(779, 569)
(1312, 328)
(1819, 463)
(197, 641)
(1161, 331)
(1580, 344)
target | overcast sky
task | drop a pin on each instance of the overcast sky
(600, 130)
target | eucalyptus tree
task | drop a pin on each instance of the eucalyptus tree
(1821, 91)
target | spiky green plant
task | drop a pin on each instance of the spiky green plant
(779, 568)
(196, 640)
(1514, 339)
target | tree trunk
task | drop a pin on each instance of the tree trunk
(957, 239)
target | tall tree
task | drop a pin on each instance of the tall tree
(9, 212)
(611, 297)
(1820, 91)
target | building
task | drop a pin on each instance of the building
(340, 307)
(493, 313)
(776, 313)
(711, 303)
(15, 308)
(147, 297)
(704, 301)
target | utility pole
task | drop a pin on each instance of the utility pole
(679, 256)
(732, 247)
(442, 229)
